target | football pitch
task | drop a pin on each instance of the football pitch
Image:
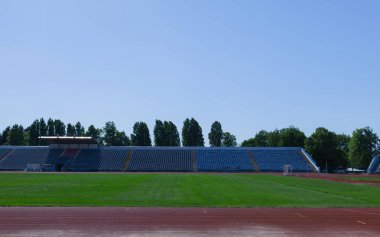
(180, 190)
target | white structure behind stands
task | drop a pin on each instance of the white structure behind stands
(69, 142)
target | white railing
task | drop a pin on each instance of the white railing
(311, 161)
(374, 162)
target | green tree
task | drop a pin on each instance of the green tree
(192, 133)
(59, 127)
(185, 132)
(140, 135)
(121, 139)
(228, 140)
(94, 132)
(159, 133)
(364, 144)
(16, 136)
(343, 143)
(110, 134)
(165, 134)
(323, 145)
(261, 139)
(43, 127)
(216, 134)
(79, 129)
(172, 135)
(70, 131)
(274, 138)
(33, 133)
(292, 137)
(4, 136)
(248, 143)
(50, 127)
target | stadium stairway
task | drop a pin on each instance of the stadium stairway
(52, 158)
(129, 158)
(4, 153)
(69, 155)
(252, 158)
(194, 161)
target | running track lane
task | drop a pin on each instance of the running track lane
(135, 221)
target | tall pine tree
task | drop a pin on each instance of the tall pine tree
(216, 134)
(70, 130)
(50, 127)
(34, 133)
(79, 129)
(192, 133)
(140, 135)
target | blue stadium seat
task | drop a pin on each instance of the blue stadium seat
(225, 160)
(177, 159)
(161, 159)
(53, 156)
(104, 159)
(274, 159)
(19, 157)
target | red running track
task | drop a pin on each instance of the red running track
(133, 221)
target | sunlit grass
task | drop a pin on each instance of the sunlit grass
(180, 190)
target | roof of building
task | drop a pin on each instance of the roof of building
(67, 140)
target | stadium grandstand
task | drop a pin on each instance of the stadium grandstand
(83, 154)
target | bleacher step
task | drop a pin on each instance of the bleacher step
(70, 160)
(6, 154)
(129, 158)
(252, 158)
(194, 161)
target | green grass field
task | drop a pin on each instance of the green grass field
(180, 190)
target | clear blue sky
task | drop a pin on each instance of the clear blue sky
(251, 65)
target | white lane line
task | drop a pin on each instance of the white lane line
(361, 212)
(300, 215)
(370, 213)
(204, 211)
(361, 222)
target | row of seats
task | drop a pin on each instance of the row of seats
(154, 159)
(18, 159)
(99, 160)
(223, 160)
(273, 160)
(161, 160)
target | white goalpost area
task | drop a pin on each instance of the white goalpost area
(287, 170)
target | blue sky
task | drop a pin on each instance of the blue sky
(251, 65)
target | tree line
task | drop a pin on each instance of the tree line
(165, 134)
(328, 149)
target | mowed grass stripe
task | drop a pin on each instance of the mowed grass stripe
(180, 190)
